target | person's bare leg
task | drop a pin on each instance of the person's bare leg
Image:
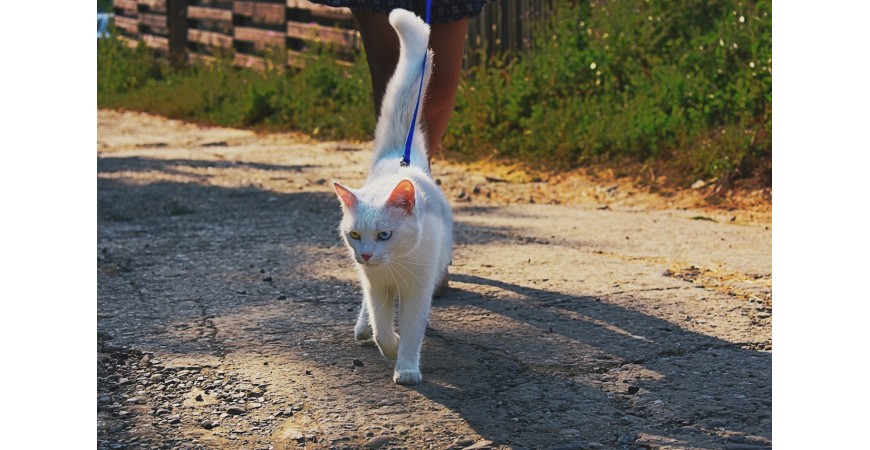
(447, 40)
(381, 45)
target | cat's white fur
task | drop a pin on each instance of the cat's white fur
(412, 263)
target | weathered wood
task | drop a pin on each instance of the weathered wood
(207, 13)
(321, 10)
(157, 23)
(153, 5)
(257, 35)
(318, 33)
(210, 38)
(300, 59)
(130, 43)
(224, 4)
(128, 24)
(176, 20)
(156, 42)
(297, 59)
(129, 7)
(266, 13)
(198, 58)
(249, 61)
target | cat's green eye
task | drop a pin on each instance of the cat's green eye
(354, 235)
(384, 235)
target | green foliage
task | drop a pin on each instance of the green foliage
(121, 69)
(325, 98)
(684, 83)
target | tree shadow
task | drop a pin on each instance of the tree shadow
(171, 166)
(562, 363)
(197, 269)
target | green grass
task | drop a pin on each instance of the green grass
(680, 87)
(325, 99)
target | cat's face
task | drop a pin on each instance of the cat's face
(379, 226)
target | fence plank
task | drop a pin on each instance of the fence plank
(156, 42)
(299, 59)
(249, 61)
(207, 13)
(157, 23)
(318, 33)
(258, 35)
(128, 6)
(210, 38)
(153, 5)
(321, 10)
(267, 13)
(128, 24)
(130, 43)
(196, 58)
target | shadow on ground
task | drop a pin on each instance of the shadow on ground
(207, 272)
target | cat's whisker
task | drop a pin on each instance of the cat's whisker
(399, 265)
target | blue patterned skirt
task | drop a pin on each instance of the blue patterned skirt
(442, 10)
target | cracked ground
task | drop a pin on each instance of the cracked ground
(226, 305)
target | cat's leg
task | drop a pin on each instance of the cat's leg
(441, 286)
(380, 306)
(413, 319)
(363, 331)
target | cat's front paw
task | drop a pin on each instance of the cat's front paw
(389, 347)
(407, 376)
(362, 333)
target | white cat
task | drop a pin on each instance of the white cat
(398, 226)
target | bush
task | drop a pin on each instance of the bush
(325, 98)
(686, 84)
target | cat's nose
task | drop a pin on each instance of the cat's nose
(366, 256)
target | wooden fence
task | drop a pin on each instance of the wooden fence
(257, 32)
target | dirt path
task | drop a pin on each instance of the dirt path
(226, 307)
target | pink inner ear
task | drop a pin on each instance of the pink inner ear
(348, 199)
(403, 196)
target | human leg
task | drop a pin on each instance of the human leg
(447, 41)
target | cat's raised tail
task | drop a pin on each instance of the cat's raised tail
(402, 90)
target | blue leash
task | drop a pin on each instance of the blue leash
(406, 158)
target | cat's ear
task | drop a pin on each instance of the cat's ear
(347, 197)
(403, 197)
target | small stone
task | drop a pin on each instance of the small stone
(104, 399)
(282, 297)
(625, 439)
(461, 443)
(479, 445)
(377, 442)
(699, 184)
(633, 390)
(207, 424)
(267, 279)
(115, 446)
(357, 363)
(198, 397)
(255, 405)
(236, 410)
